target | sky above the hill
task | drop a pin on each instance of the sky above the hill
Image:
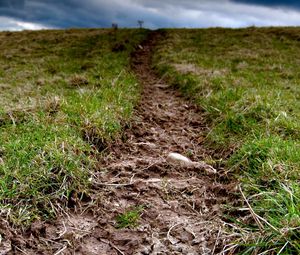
(39, 14)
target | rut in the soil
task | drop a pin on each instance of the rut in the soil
(181, 205)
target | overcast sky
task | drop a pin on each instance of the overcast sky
(38, 14)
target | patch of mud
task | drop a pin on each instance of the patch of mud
(182, 205)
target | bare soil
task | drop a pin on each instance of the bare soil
(182, 204)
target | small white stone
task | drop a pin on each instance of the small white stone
(176, 157)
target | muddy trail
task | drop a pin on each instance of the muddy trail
(179, 205)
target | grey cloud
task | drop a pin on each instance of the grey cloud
(155, 13)
(76, 13)
(289, 4)
(18, 4)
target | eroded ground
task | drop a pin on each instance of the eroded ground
(180, 206)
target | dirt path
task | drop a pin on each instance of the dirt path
(179, 204)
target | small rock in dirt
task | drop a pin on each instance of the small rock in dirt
(174, 157)
(178, 158)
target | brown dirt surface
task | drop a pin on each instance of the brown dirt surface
(180, 205)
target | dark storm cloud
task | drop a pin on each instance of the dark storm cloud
(12, 8)
(77, 13)
(12, 4)
(156, 13)
(290, 4)
(52, 13)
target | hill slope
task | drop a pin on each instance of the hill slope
(72, 182)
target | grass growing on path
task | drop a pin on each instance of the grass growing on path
(130, 218)
(247, 81)
(63, 96)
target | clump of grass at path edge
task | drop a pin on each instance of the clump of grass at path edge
(63, 96)
(247, 81)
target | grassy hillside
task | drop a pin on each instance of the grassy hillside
(63, 96)
(248, 83)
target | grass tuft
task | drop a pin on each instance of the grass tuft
(130, 218)
(78, 80)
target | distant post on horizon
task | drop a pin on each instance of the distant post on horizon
(141, 23)
(114, 26)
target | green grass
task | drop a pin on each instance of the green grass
(130, 218)
(247, 81)
(64, 95)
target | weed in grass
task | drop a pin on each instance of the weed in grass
(78, 80)
(130, 218)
